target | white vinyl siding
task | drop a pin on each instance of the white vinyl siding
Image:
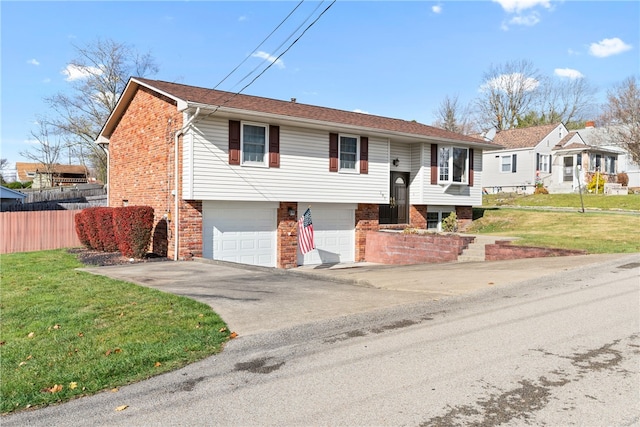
(303, 173)
(455, 195)
(402, 152)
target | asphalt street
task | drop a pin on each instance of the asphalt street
(561, 349)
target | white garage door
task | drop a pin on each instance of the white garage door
(242, 232)
(334, 233)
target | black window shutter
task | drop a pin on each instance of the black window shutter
(514, 162)
(538, 161)
(470, 167)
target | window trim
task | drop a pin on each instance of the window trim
(450, 169)
(265, 152)
(541, 163)
(356, 166)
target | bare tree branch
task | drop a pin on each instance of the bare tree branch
(98, 76)
(622, 115)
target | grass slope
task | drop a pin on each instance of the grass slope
(67, 333)
(600, 229)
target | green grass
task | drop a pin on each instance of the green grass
(593, 232)
(89, 333)
(591, 201)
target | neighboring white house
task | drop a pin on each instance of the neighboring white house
(604, 137)
(237, 171)
(548, 156)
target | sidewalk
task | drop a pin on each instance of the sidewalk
(455, 278)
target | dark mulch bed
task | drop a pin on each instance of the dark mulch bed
(97, 258)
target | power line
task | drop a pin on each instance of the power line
(281, 44)
(261, 43)
(271, 64)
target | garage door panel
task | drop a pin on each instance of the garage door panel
(245, 234)
(334, 235)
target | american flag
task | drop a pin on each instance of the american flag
(305, 233)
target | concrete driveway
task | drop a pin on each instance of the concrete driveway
(253, 299)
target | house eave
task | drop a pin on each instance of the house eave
(320, 124)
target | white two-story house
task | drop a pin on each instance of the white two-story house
(229, 174)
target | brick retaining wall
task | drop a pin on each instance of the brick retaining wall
(503, 250)
(404, 249)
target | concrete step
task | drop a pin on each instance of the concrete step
(475, 251)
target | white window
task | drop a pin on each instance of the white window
(610, 164)
(595, 162)
(505, 163)
(543, 162)
(254, 144)
(434, 219)
(348, 153)
(453, 165)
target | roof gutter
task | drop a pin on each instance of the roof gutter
(176, 190)
(325, 124)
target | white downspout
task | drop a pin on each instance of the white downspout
(177, 183)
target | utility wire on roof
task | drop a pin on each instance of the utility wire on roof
(269, 66)
(258, 47)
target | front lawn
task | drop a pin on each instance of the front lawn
(594, 232)
(67, 333)
(591, 201)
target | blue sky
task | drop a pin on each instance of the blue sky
(395, 59)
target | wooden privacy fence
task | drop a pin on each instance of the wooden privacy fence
(37, 231)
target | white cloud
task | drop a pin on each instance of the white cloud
(268, 57)
(511, 83)
(75, 72)
(572, 52)
(357, 110)
(608, 47)
(242, 18)
(436, 9)
(516, 6)
(568, 72)
(46, 80)
(33, 62)
(527, 20)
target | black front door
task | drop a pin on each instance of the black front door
(397, 211)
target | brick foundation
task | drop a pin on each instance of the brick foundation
(465, 217)
(287, 235)
(404, 249)
(503, 250)
(418, 216)
(366, 221)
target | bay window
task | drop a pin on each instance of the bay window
(453, 165)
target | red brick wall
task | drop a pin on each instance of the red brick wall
(141, 168)
(366, 221)
(465, 217)
(503, 249)
(403, 249)
(418, 216)
(287, 236)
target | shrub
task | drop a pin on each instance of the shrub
(450, 223)
(133, 225)
(106, 235)
(596, 180)
(81, 230)
(91, 229)
(623, 179)
(541, 190)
